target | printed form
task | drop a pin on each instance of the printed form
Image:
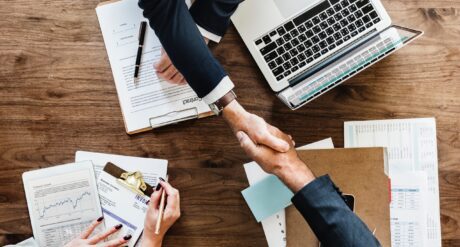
(151, 170)
(409, 195)
(149, 101)
(412, 147)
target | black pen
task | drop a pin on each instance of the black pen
(139, 49)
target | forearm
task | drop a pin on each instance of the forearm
(182, 41)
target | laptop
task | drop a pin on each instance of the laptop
(304, 48)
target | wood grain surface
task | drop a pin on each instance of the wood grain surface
(57, 96)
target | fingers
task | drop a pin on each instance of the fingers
(85, 234)
(173, 198)
(155, 198)
(164, 62)
(117, 242)
(98, 238)
(166, 70)
(247, 144)
(168, 74)
(177, 78)
(292, 140)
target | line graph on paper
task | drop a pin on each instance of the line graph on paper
(64, 200)
(65, 205)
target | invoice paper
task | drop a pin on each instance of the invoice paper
(120, 205)
(411, 145)
(151, 169)
(409, 195)
(149, 98)
(62, 202)
(275, 226)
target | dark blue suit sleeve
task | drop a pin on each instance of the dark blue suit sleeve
(177, 32)
(333, 223)
(214, 15)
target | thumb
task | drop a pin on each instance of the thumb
(246, 143)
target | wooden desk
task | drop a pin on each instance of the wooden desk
(57, 96)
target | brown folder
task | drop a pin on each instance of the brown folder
(356, 171)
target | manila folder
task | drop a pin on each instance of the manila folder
(356, 171)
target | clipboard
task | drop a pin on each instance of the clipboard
(124, 200)
(169, 118)
(133, 181)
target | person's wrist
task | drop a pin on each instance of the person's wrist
(151, 241)
(234, 114)
(295, 175)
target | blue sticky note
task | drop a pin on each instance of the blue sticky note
(267, 197)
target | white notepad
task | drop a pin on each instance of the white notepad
(149, 102)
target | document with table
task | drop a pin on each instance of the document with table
(412, 147)
(149, 102)
(62, 201)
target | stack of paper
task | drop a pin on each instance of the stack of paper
(130, 214)
(413, 166)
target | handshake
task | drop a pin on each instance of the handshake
(272, 149)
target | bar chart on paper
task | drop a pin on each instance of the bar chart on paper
(62, 205)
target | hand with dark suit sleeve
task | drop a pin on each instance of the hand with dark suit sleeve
(212, 19)
(179, 35)
(318, 200)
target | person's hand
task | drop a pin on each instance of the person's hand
(167, 71)
(84, 240)
(287, 166)
(170, 215)
(255, 127)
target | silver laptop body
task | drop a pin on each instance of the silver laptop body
(304, 48)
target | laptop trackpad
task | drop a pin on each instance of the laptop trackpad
(288, 8)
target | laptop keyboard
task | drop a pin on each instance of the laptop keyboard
(305, 38)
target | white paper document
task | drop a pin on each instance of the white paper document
(409, 195)
(149, 101)
(120, 205)
(411, 145)
(151, 169)
(62, 201)
(275, 226)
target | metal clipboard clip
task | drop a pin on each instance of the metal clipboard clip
(133, 181)
(174, 117)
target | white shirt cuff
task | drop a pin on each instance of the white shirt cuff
(224, 86)
(205, 33)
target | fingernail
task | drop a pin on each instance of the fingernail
(162, 179)
(100, 219)
(118, 226)
(158, 186)
(127, 237)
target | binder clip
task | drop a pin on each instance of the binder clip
(174, 117)
(134, 181)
